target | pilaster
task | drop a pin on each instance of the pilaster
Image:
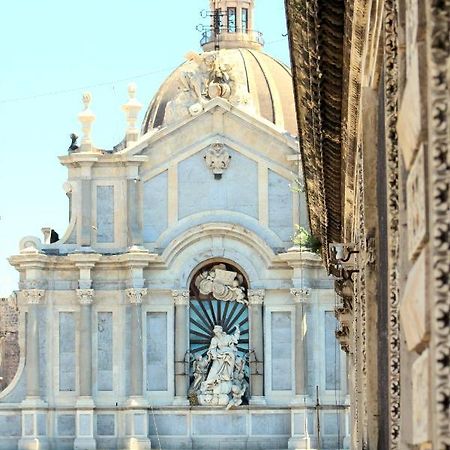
(256, 301)
(34, 417)
(300, 297)
(181, 302)
(85, 405)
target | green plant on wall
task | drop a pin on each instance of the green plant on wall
(305, 240)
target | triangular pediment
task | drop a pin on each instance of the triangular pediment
(255, 137)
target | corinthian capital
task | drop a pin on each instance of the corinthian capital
(135, 295)
(180, 298)
(34, 296)
(256, 296)
(300, 294)
(85, 296)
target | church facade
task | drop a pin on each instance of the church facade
(175, 311)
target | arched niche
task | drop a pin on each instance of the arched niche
(218, 297)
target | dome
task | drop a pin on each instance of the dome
(247, 78)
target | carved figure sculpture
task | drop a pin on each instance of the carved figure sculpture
(202, 78)
(222, 284)
(224, 384)
(200, 366)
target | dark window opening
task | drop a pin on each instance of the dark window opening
(245, 20)
(231, 16)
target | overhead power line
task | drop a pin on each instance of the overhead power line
(101, 84)
(91, 86)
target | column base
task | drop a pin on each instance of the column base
(256, 400)
(82, 443)
(136, 443)
(33, 444)
(299, 443)
(32, 402)
(347, 442)
(180, 401)
(136, 401)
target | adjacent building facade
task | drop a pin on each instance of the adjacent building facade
(371, 81)
(175, 311)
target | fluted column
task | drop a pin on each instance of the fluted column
(34, 298)
(86, 297)
(181, 301)
(256, 300)
(134, 296)
(300, 296)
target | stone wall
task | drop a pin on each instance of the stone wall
(9, 344)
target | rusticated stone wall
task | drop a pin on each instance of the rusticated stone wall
(9, 340)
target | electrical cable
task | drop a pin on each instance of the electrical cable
(86, 87)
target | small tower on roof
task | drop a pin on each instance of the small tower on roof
(231, 26)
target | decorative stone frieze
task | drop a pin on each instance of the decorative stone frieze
(438, 51)
(85, 296)
(391, 72)
(256, 296)
(34, 296)
(300, 295)
(135, 295)
(180, 297)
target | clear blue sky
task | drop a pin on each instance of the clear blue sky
(51, 52)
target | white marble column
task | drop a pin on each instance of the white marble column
(34, 429)
(134, 296)
(300, 296)
(181, 301)
(85, 405)
(256, 300)
(137, 416)
(302, 440)
(34, 298)
(85, 297)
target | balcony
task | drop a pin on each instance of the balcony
(227, 39)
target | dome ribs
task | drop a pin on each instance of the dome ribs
(268, 82)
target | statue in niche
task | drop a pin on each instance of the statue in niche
(223, 284)
(219, 378)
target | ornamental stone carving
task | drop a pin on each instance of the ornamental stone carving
(85, 296)
(180, 298)
(256, 296)
(135, 295)
(34, 296)
(219, 377)
(217, 159)
(223, 284)
(417, 210)
(300, 294)
(202, 78)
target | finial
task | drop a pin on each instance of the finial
(131, 109)
(86, 117)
